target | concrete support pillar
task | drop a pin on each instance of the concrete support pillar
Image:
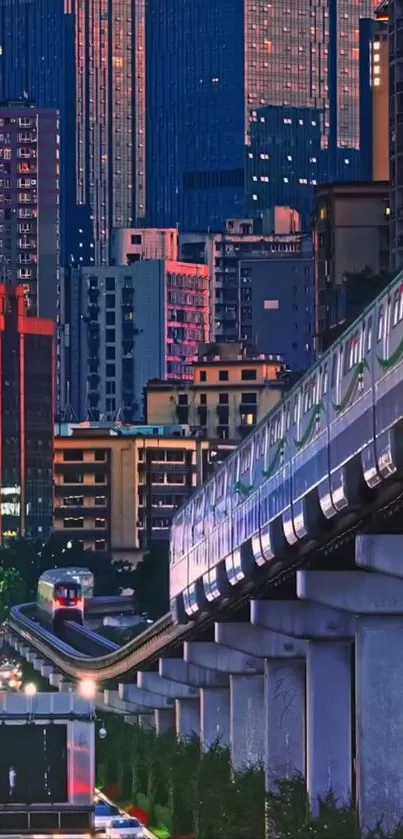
(164, 721)
(187, 717)
(284, 720)
(246, 720)
(377, 601)
(379, 721)
(65, 687)
(329, 724)
(214, 717)
(147, 721)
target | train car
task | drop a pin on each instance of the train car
(335, 437)
(59, 599)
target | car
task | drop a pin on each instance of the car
(126, 827)
(104, 813)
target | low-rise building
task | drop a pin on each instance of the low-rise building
(117, 487)
(230, 392)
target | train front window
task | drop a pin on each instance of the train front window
(67, 595)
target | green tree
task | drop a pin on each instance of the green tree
(12, 590)
(31, 559)
(151, 581)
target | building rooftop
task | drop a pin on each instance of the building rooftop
(116, 429)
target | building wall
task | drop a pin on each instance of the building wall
(380, 115)
(351, 233)
(110, 107)
(29, 203)
(131, 324)
(26, 420)
(119, 493)
(279, 305)
(222, 253)
(37, 62)
(129, 245)
(225, 400)
(224, 78)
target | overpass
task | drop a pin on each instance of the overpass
(286, 568)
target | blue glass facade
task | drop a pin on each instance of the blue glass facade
(224, 79)
(37, 62)
(196, 112)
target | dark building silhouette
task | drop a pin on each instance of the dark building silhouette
(26, 419)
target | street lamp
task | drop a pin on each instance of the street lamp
(30, 689)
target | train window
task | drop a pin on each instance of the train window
(396, 306)
(220, 485)
(295, 410)
(353, 352)
(66, 592)
(401, 303)
(369, 335)
(245, 458)
(324, 379)
(333, 378)
(380, 322)
(275, 429)
(287, 416)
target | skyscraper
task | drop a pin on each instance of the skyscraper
(110, 107)
(29, 203)
(36, 62)
(218, 75)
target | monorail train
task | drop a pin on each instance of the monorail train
(59, 599)
(333, 438)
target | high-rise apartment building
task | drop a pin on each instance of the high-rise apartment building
(110, 114)
(277, 314)
(29, 203)
(26, 420)
(222, 252)
(236, 92)
(130, 324)
(37, 63)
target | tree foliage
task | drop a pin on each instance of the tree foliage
(151, 581)
(12, 589)
(30, 559)
(196, 794)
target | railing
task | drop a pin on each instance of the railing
(131, 656)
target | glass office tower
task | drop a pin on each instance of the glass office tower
(110, 138)
(219, 75)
